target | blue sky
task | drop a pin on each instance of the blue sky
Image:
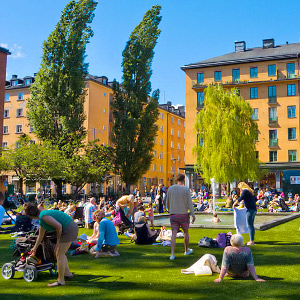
(192, 30)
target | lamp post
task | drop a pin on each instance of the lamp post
(174, 160)
(212, 180)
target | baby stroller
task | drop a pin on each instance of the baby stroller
(122, 221)
(31, 266)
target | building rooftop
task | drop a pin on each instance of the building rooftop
(4, 50)
(270, 52)
(179, 111)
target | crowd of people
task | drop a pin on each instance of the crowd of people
(102, 217)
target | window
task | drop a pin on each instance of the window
(253, 72)
(161, 142)
(235, 75)
(104, 110)
(257, 136)
(19, 129)
(104, 94)
(273, 156)
(178, 157)
(178, 122)
(255, 114)
(19, 112)
(290, 70)
(183, 123)
(161, 128)
(4, 145)
(6, 98)
(154, 138)
(291, 133)
(14, 83)
(253, 93)
(271, 70)
(154, 167)
(200, 78)
(30, 128)
(218, 75)
(6, 113)
(172, 119)
(20, 96)
(172, 131)
(178, 146)
(5, 129)
(291, 111)
(272, 91)
(161, 168)
(172, 157)
(272, 114)
(257, 154)
(28, 81)
(162, 116)
(172, 144)
(154, 153)
(292, 155)
(291, 90)
(171, 169)
(273, 137)
(178, 134)
(200, 99)
(184, 135)
(161, 156)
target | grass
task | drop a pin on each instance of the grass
(145, 272)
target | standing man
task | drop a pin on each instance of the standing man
(179, 201)
(89, 210)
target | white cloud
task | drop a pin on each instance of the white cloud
(15, 50)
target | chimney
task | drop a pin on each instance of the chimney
(14, 76)
(268, 43)
(240, 46)
(169, 103)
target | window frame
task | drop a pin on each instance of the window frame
(270, 74)
(294, 111)
(255, 73)
(5, 131)
(291, 90)
(218, 75)
(255, 116)
(253, 92)
(293, 155)
(292, 134)
(234, 78)
(200, 77)
(274, 154)
(19, 126)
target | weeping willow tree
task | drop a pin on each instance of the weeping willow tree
(226, 136)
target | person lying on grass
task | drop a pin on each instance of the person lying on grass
(237, 260)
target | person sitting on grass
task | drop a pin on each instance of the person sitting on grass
(150, 212)
(237, 260)
(93, 239)
(139, 213)
(84, 246)
(108, 238)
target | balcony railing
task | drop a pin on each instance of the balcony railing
(272, 100)
(290, 75)
(273, 120)
(273, 142)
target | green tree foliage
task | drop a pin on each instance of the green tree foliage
(93, 164)
(135, 112)
(32, 162)
(226, 136)
(56, 106)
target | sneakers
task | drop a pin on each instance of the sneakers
(172, 257)
(190, 251)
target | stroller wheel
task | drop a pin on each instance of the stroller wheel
(8, 271)
(53, 271)
(30, 273)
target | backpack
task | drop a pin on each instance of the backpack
(223, 239)
(117, 220)
(142, 235)
(208, 242)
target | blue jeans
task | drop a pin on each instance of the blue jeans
(250, 215)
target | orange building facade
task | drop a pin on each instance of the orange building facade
(268, 78)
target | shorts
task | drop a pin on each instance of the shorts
(70, 233)
(178, 221)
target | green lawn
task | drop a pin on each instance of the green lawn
(145, 272)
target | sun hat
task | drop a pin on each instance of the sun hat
(83, 237)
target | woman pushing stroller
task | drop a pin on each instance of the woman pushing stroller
(66, 231)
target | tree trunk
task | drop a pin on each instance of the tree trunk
(58, 184)
(127, 188)
(21, 185)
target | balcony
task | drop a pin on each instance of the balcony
(290, 75)
(272, 100)
(273, 143)
(273, 121)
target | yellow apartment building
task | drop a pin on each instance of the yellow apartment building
(97, 109)
(169, 143)
(169, 148)
(268, 78)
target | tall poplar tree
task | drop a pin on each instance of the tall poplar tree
(226, 136)
(134, 111)
(56, 106)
